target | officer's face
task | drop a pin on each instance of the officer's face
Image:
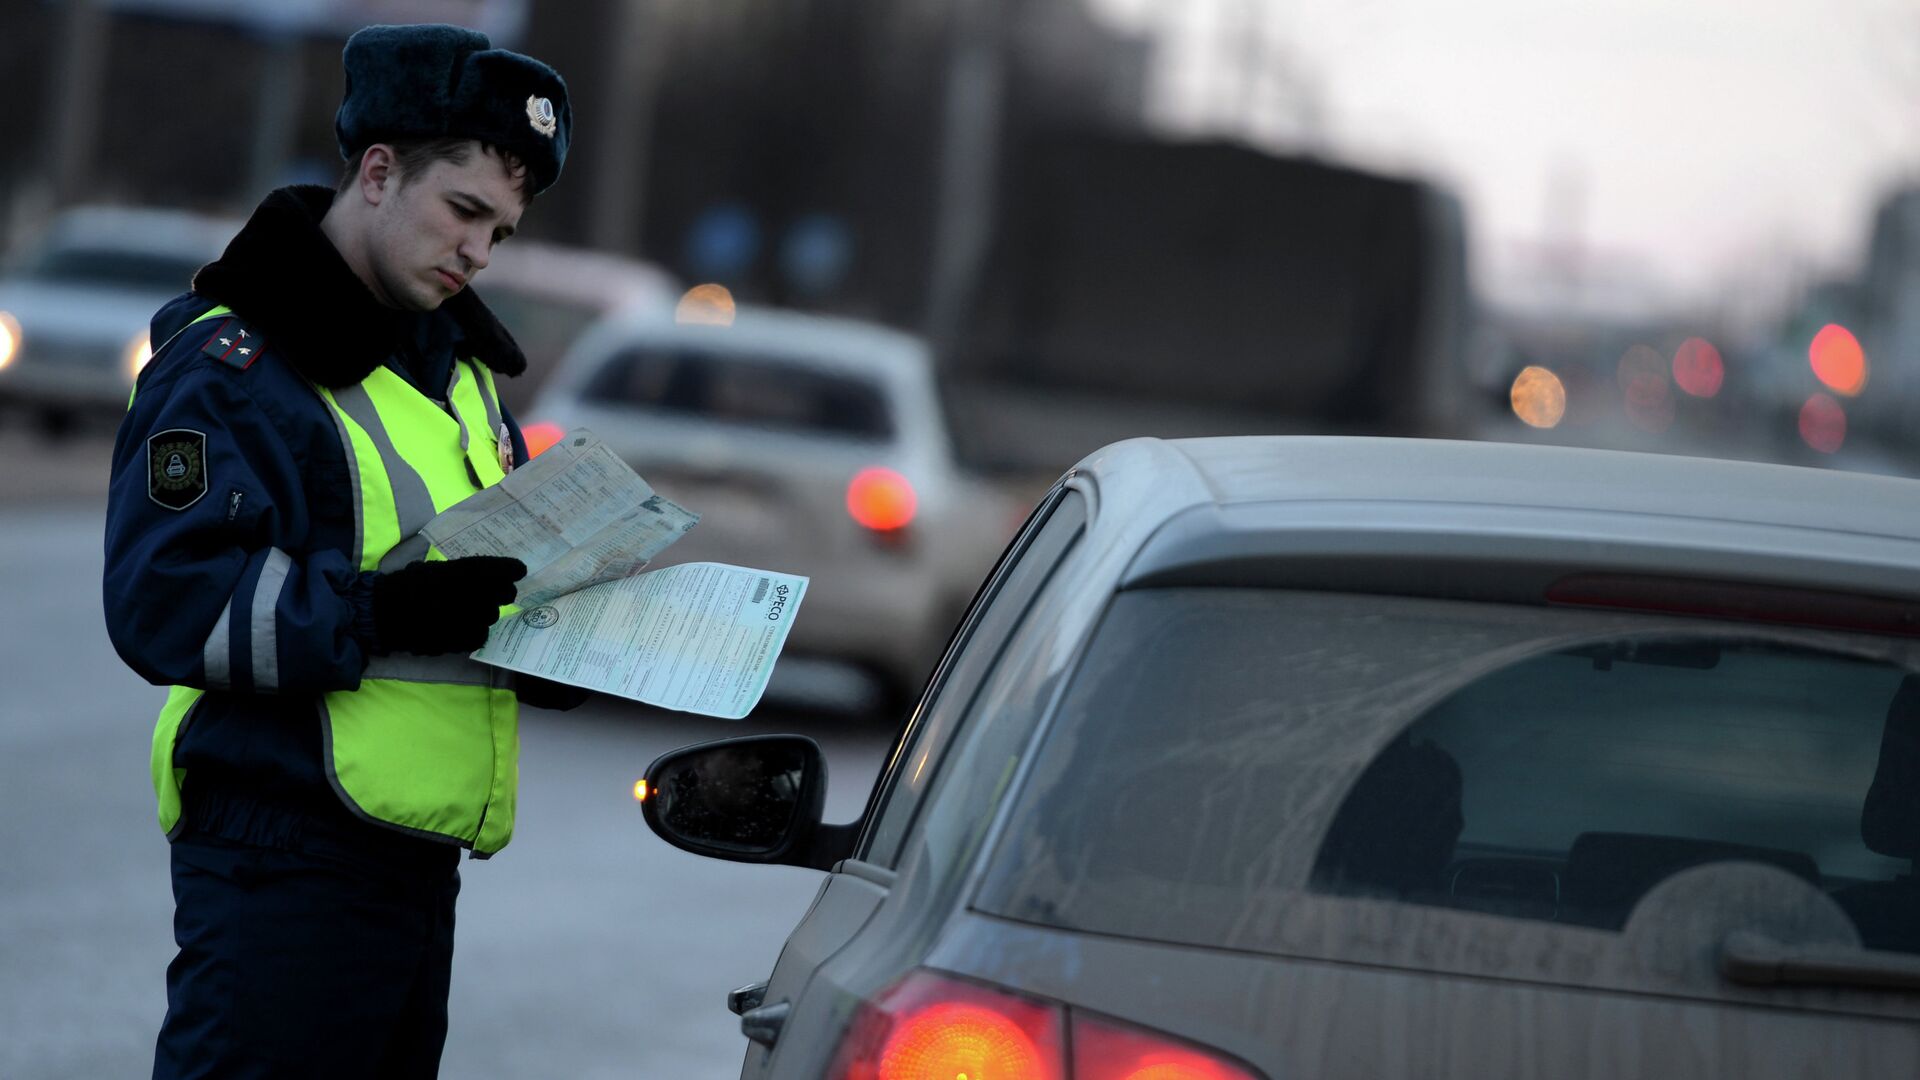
(435, 230)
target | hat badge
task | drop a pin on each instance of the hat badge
(540, 115)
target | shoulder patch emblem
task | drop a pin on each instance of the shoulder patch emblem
(234, 345)
(177, 467)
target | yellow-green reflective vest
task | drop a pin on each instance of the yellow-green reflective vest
(428, 745)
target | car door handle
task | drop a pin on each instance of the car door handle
(745, 998)
(762, 1025)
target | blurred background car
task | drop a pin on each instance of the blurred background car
(75, 304)
(808, 445)
(546, 295)
(1255, 749)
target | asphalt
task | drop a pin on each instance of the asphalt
(38, 468)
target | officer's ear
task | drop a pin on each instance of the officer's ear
(379, 173)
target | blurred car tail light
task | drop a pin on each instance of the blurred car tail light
(934, 1027)
(881, 499)
(9, 338)
(1104, 1050)
(540, 436)
(139, 351)
(929, 1027)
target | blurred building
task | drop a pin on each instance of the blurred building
(1889, 318)
(800, 151)
(783, 124)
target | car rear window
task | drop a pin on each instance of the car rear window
(1223, 749)
(755, 392)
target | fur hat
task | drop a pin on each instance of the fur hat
(431, 81)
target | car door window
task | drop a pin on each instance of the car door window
(1010, 589)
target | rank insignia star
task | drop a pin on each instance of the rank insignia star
(233, 344)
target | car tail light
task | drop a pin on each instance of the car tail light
(540, 436)
(881, 500)
(928, 1027)
(1104, 1050)
(932, 1027)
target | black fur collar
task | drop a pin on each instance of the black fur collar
(283, 275)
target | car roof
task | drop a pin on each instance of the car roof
(1391, 513)
(143, 229)
(588, 277)
(1237, 470)
(832, 343)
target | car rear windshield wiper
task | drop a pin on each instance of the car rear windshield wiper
(1755, 960)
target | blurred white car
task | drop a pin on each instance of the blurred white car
(807, 445)
(546, 295)
(75, 304)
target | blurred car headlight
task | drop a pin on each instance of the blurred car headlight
(139, 351)
(9, 338)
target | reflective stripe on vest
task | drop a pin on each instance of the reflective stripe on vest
(428, 745)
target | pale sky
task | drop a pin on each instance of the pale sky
(1703, 141)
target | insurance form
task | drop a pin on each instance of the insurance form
(698, 637)
(576, 515)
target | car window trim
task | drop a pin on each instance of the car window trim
(867, 871)
(956, 644)
(958, 739)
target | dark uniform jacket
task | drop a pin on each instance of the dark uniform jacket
(187, 540)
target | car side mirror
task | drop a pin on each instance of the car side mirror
(753, 799)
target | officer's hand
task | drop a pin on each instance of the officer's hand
(442, 607)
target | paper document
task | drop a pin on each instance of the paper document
(576, 515)
(699, 637)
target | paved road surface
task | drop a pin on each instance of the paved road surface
(589, 949)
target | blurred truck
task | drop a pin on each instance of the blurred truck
(1133, 286)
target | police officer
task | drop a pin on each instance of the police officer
(326, 748)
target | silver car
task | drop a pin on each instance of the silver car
(1287, 757)
(809, 445)
(75, 305)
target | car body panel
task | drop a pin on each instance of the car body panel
(1305, 1016)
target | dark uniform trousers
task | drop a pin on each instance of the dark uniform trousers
(312, 954)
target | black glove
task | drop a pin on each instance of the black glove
(442, 607)
(547, 694)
